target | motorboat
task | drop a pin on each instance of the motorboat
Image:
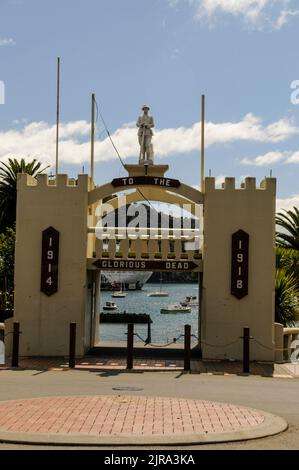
(175, 309)
(110, 306)
(190, 301)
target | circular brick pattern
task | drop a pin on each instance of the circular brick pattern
(121, 417)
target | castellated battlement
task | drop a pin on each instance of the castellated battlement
(61, 181)
(267, 184)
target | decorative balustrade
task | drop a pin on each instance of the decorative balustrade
(147, 243)
(289, 336)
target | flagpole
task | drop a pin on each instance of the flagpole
(57, 111)
(202, 188)
(202, 163)
(92, 139)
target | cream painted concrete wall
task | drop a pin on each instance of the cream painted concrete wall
(224, 316)
(45, 320)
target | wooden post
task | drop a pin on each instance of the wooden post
(72, 353)
(187, 348)
(130, 346)
(15, 345)
(246, 350)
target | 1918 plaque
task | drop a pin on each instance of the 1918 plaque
(239, 264)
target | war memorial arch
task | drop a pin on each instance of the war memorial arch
(61, 251)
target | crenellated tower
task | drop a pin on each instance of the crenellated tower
(226, 211)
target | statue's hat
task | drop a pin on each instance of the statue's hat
(145, 106)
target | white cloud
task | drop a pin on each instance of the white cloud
(219, 180)
(287, 203)
(293, 158)
(264, 160)
(284, 17)
(250, 9)
(258, 13)
(250, 128)
(7, 42)
(37, 139)
(271, 158)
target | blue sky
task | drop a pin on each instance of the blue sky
(243, 54)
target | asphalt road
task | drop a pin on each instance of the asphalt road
(279, 396)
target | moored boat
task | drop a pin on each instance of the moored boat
(119, 295)
(175, 309)
(159, 293)
(110, 306)
(190, 301)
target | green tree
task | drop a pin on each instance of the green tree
(286, 298)
(288, 259)
(289, 222)
(8, 187)
(7, 252)
(7, 249)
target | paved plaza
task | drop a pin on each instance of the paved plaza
(169, 408)
(128, 419)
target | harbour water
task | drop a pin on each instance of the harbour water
(165, 327)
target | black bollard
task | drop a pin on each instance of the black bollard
(246, 350)
(130, 346)
(149, 334)
(72, 351)
(187, 348)
(15, 344)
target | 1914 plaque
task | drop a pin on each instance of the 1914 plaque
(50, 258)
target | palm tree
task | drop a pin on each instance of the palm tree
(288, 259)
(8, 187)
(286, 298)
(289, 221)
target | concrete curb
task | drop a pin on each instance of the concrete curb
(272, 425)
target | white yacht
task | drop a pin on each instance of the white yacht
(119, 295)
(159, 293)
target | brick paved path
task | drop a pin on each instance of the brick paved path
(124, 415)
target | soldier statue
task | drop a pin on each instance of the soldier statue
(145, 125)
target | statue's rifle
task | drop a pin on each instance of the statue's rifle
(142, 143)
